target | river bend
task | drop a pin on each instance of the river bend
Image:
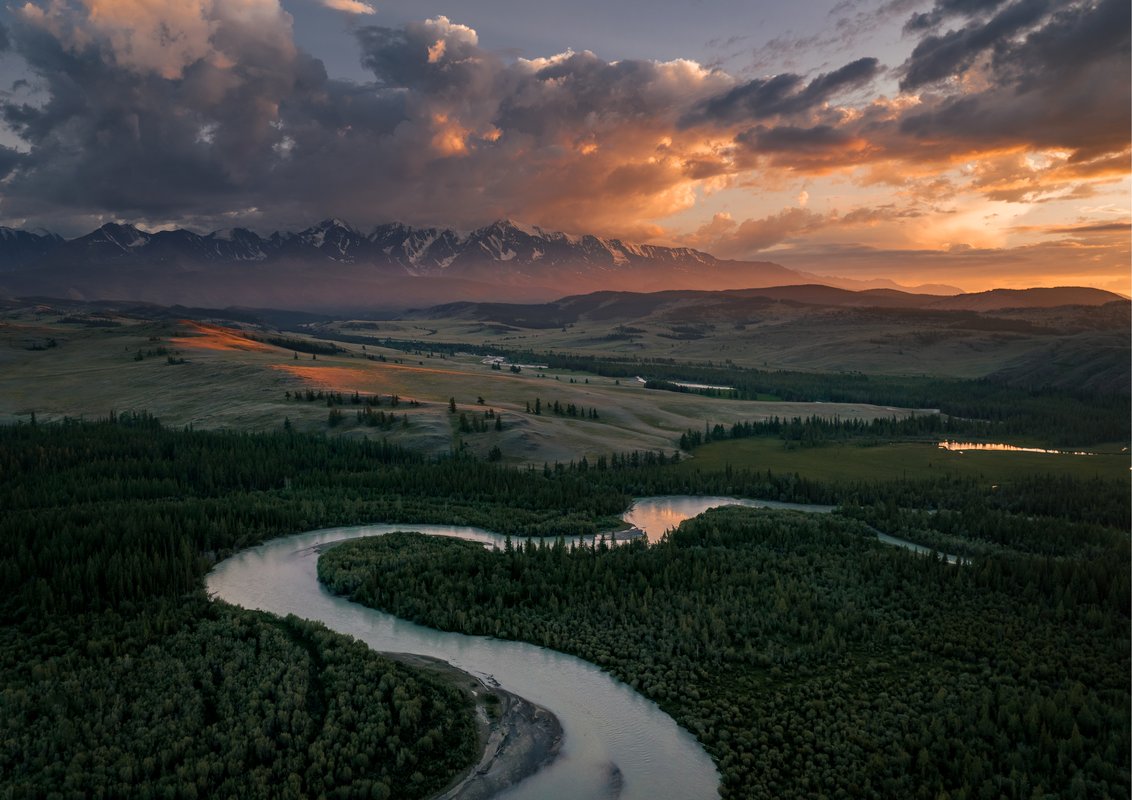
(604, 722)
(616, 743)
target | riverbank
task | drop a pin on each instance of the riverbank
(518, 737)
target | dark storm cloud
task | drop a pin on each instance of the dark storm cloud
(1073, 41)
(793, 139)
(411, 58)
(9, 160)
(1062, 84)
(945, 9)
(852, 75)
(952, 53)
(782, 95)
(125, 138)
(1043, 76)
(443, 62)
(236, 123)
(217, 136)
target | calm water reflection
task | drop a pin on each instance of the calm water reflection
(960, 447)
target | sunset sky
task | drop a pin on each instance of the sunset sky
(977, 143)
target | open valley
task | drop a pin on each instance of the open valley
(565, 401)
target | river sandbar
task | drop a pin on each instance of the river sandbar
(518, 737)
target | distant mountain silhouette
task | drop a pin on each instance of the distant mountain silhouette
(333, 266)
(606, 305)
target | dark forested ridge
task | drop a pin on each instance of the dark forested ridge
(808, 658)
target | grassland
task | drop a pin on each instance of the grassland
(224, 378)
(901, 460)
(777, 342)
(208, 375)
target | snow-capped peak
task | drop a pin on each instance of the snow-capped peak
(334, 222)
(125, 236)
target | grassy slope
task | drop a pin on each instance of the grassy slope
(227, 382)
(781, 336)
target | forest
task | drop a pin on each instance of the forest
(189, 698)
(117, 670)
(814, 430)
(121, 678)
(808, 658)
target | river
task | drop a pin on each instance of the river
(604, 722)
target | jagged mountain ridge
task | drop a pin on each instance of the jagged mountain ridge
(417, 251)
(332, 266)
(20, 248)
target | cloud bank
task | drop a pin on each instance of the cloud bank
(203, 111)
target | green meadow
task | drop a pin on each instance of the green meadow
(901, 460)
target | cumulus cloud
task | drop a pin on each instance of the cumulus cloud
(135, 131)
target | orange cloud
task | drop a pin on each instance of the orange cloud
(448, 138)
(349, 6)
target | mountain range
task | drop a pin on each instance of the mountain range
(332, 266)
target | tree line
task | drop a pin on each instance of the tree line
(814, 430)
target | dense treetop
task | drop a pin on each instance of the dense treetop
(809, 658)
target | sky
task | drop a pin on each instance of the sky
(974, 143)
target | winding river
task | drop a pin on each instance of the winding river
(615, 742)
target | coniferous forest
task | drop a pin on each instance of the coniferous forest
(811, 660)
(120, 678)
(842, 668)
